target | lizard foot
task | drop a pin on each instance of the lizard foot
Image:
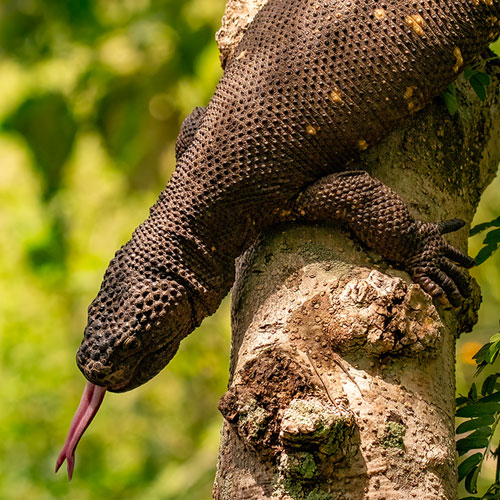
(381, 219)
(433, 265)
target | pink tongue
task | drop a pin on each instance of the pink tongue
(91, 400)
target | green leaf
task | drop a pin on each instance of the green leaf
(480, 355)
(485, 253)
(471, 480)
(461, 400)
(475, 423)
(478, 439)
(449, 96)
(489, 351)
(480, 433)
(48, 252)
(467, 444)
(478, 81)
(468, 465)
(492, 237)
(472, 392)
(483, 78)
(478, 409)
(478, 87)
(485, 225)
(468, 72)
(49, 128)
(490, 398)
(492, 352)
(480, 368)
(489, 384)
(121, 118)
(491, 242)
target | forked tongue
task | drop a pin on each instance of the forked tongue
(89, 404)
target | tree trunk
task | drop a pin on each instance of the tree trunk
(342, 378)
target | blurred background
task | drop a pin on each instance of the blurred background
(92, 95)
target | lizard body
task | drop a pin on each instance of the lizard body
(311, 84)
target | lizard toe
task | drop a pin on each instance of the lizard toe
(458, 276)
(457, 256)
(446, 283)
(428, 285)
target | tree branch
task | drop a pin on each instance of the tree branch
(342, 370)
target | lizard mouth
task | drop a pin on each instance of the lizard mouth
(93, 394)
(126, 373)
(145, 369)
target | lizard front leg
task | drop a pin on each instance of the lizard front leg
(381, 219)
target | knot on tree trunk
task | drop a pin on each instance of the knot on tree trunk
(279, 404)
(379, 314)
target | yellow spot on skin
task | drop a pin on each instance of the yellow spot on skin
(213, 249)
(362, 145)
(241, 55)
(335, 96)
(416, 23)
(459, 59)
(409, 92)
(415, 99)
(311, 130)
(338, 15)
(414, 107)
(379, 13)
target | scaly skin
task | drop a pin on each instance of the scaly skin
(310, 85)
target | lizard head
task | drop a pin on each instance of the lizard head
(135, 325)
(137, 320)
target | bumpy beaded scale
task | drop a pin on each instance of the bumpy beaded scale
(311, 84)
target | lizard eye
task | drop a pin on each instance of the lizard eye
(132, 343)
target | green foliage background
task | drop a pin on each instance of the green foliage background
(92, 94)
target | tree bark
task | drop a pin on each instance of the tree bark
(342, 382)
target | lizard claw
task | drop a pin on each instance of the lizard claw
(450, 225)
(434, 264)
